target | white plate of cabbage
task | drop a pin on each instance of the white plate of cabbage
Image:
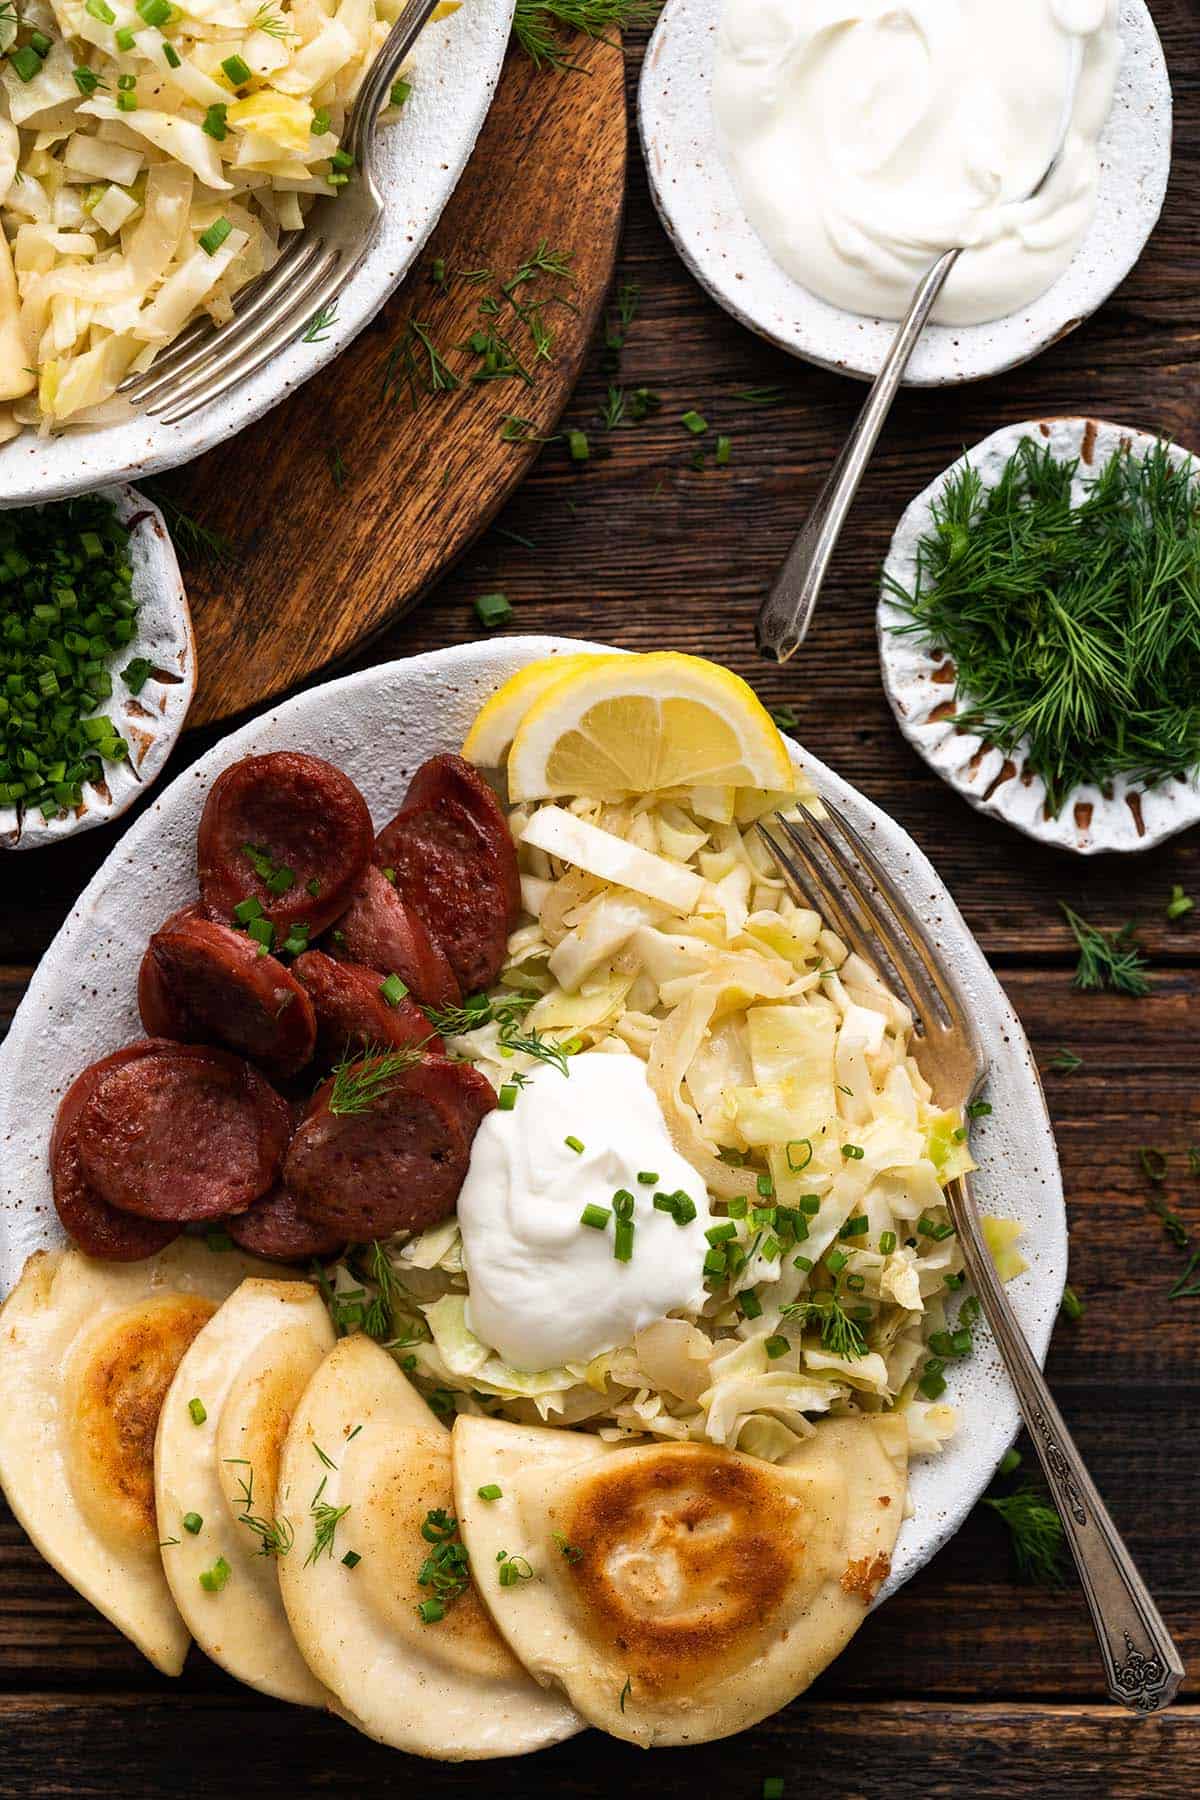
(156, 157)
(378, 725)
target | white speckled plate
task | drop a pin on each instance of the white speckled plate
(695, 196)
(150, 721)
(454, 70)
(921, 687)
(379, 725)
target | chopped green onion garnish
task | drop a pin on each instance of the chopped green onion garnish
(155, 12)
(1009, 1463)
(137, 673)
(750, 1304)
(125, 41)
(694, 422)
(214, 124)
(431, 1611)
(198, 1411)
(855, 1226)
(1072, 1306)
(490, 1492)
(595, 1216)
(623, 1203)
(853, 1152)
(737, 1207)
(214, 1579)
(506, 1099)
(715, 1261)
(41, 43)
(25, 62)
(320, 122)
(393, 990)
(86, 80)
(245, 910)
(932, 1383)
(836, 1261)
(192, 1523)
(351, 1559)
(803, 1148)
(685, 1207)
(887, 1242)
(262, 931)
(575, 1144)
(126, 102)
(810, 1204)
(400, 92)
(724, 451)
(493, 609)
(646, 1179)
(717, 1234)
(856, 1283)
(1179, 905)
(802, 1262)
(776, 1346)
(171, 56)
(237, 70)
(623, 1240)
(210, 242)
(100, 9)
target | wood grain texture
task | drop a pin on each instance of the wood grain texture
(351, 497)
(966, 1683)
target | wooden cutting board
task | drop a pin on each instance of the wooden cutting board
(348, 500)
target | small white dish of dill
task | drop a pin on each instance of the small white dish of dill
(97, 662)
(1039, 631)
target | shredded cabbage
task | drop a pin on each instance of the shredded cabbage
(152, 161)
(785, 1073)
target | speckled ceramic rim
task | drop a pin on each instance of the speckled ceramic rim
(378, 725)
(151, 721)
(923, 696)
(454, 71)
(703, 216)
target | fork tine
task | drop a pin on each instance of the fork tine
(840, 898)
(194, 345)
(913, 928)
(243, 354)
(805, 879)
(884, 932)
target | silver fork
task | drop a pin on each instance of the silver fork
(206, 360)
(830, 866)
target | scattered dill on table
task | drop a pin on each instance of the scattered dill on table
(1073, 630)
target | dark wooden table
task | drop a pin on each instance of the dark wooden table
(966, 1683)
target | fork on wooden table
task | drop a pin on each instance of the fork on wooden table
(826, 863)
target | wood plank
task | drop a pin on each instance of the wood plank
(351, 498)
(99, 1745)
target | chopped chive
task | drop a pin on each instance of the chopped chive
(853, 1152)
(214, 124)
(595, 1216)
(1179, 905)
(506, 1099)
(932, 1383)
(198, 1411)
(623, 1240)
(979, 1109)
(1072, 1306)
(431, 1611)
(192, 1523)
(887, 1242)
(237, 70)
(737, 1207)
(320, 122)
(717, 1234)
(836, 1261)
(750, 1304)
(578, 447)
(715, 1261)
(694, 422)
(765, 1186)
(685, 1207)
(802, 1262)
(492, 610)
(810, 1204)
(171, 56)
(490, 1492)
(125, 41)
(393, 990)
(399, 92)
(724, 451)
(575, 1144)
(155, 12)
(798, 1145)
(351, 1559)
(856, 1283)
(210, 242)
(855, 1226)
(214, 1579)
(646, 1178)
(776, 1346)
(623, 1203)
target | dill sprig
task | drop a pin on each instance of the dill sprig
(477, 1010)
(539, 25)
(361, 1081)
(840, 1334)
(276, 1534)
(1107, 959)
(1038, 1539)
(378, 1320)
(195, 541)
(271, 22)
(1074, 631)
(326, 1519)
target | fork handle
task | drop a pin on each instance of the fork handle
(786, 613)
(378, 80)
(1142, 1666)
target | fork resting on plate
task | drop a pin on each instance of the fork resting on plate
(827, 863)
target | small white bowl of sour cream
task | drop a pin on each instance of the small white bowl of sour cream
(778, 146)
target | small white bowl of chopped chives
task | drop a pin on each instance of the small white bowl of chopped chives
(1039, 631)
(97, 662)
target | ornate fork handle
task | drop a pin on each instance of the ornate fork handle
(1142, 1666)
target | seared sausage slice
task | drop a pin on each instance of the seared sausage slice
(274, 1227)
(98, 1228)
(381, 931)
(203, 982)
(397, 1163)
(182, 1132)
(455, 868)
(288, 830)
(353, 1013)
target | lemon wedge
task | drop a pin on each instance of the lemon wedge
(487, 742)
(639, 724)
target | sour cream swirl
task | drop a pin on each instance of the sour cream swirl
(866, 136)
(546, 1289)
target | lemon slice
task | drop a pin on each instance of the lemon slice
(495, 726)
(638, 724)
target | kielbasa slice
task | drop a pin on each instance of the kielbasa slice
(275, 1228)
(182, 1132)
(396, 1164)
(98, 1229)
(457, 873)
(203, 982)
(353, 1012)
(454, 778)
(381, 931)
(288, 830)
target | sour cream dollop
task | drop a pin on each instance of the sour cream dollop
(546, 1289)
(867, 136)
